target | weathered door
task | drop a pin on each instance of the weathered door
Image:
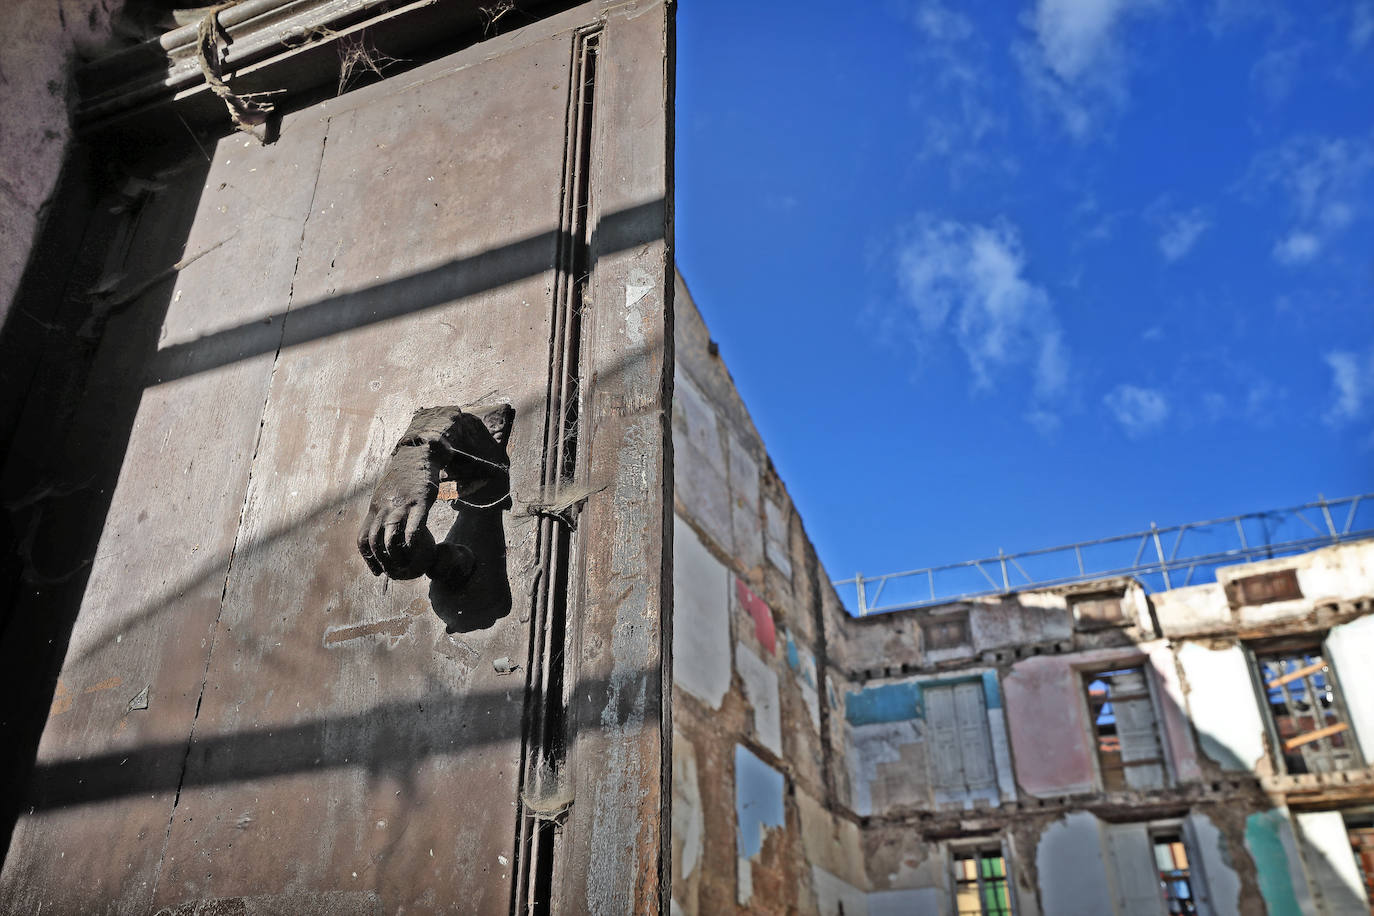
(245, 715)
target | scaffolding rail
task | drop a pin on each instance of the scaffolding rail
(1161, 558)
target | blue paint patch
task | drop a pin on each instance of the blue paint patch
(887, 703)
(1264, 839)
(805, 667)
(992, 694)
(758, 800)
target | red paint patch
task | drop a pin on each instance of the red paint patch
(762, 614)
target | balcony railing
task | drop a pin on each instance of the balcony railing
(1161, 558)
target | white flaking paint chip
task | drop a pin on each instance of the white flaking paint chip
(761, 690)
(701, 618)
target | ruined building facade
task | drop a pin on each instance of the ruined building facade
(1075, 751)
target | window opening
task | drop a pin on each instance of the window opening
(1175, 875)
(1129, 753)
(1306, 710)
(1099, 609)
(980, 883)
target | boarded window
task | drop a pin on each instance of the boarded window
(948, 631)
(980, 883)
(1306, 711)
(1129, 752)
(1102, 609)
(960, 747)
(1266, 587)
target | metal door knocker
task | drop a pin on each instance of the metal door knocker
(445, 453)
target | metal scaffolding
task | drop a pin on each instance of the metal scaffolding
(1209, 545)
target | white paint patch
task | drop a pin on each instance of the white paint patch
(1351, 646)
(699, 464)
(1221, 702)
(689, 822)
(744, 888)
(744, 505)
(870, 745)
(701, 618)
(761, 690)
(833, 892)
(775, 540)
(640, 285)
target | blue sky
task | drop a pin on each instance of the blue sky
(1008, 275)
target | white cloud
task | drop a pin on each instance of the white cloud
(1278, 70)
(1077, 66)
(969, 280)
(1352, 384)
(1297, 248)
(955, 95)
(1180, 233)
(1138, 410)
(1361, 24)
(1321, 178)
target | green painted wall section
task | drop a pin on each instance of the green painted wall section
(1264, 839)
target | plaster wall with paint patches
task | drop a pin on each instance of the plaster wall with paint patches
(1048, 750)
(1221, 730)
(761, 821)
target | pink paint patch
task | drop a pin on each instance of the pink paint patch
(762, 614)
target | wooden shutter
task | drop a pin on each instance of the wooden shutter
(975, 746)
(1138, 731)
(946, 763)
(960, 748)
(1133, 870)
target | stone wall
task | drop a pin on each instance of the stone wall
(828, 764)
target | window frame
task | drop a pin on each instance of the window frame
(1180, 829)
(1293, 645)
(976, 847)
(1085, 673)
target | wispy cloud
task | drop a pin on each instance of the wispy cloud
(1352, 385)
(1297, 247)
(1277, 71)
(955, 96)
(1180, 232)
(1139, 410)
(1323, 179)
(1361, 24)
(969, 280)
(1077, 65)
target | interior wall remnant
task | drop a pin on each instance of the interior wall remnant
(1073, 874)
(1350, 647)
(1332, 871)
(1221, 703)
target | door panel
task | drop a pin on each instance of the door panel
(107, 771)
(378, 709)
(467, 233)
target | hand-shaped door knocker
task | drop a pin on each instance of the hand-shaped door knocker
(441, 443)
